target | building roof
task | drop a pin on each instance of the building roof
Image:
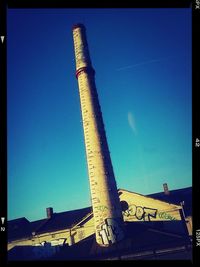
(63, 220)
(18, 228)
(176, 197)
(22, 228)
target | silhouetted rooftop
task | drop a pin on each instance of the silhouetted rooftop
(176, 197)
(22, 228)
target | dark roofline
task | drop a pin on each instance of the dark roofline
(18, 219)
(66, 219)
(173, 191)
(151, 194)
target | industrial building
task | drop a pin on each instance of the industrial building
(120, 225)
(160, 229)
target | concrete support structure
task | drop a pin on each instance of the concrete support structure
(107, 211)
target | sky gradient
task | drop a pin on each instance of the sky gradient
(142, 59)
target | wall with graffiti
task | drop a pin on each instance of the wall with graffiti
(111, 231)
(136, 207)
(50, 240)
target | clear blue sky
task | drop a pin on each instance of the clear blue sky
(142, 59)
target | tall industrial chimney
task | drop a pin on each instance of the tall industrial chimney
(105, 200)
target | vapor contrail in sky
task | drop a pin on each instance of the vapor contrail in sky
(131, 122)
(140, 64)
(139, 152)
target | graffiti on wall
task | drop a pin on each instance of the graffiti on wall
(111, 231)
(166, 216)
(102, 208)
(140, 213)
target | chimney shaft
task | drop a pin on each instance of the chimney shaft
(49, 212)
(106, 206)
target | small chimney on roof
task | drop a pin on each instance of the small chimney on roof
(166, 190)
(49, 212)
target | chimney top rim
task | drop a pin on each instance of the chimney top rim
(78, 25)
